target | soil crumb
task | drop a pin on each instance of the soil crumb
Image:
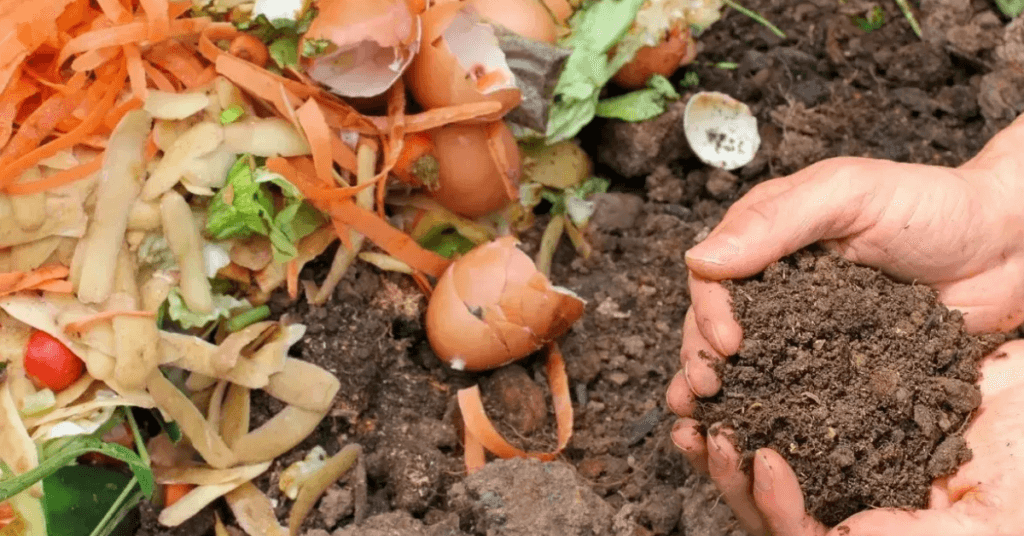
(862, 383)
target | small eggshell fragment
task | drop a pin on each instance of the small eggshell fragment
(721, 130)
(528, 18)
(677, 49)
(469, 181)
(492, 307)
(373, 43)
(460, 62)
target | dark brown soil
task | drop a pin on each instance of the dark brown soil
(863, 384)
(828, 89)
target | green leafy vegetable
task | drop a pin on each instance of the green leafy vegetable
(285, 51)
(245, 207)
(596, 28)
(690, 79)
(60, 452)
(312, 48)
(445, 240)
(1011, 8)
(231, 114)
(76, 497)
(223, 305)
(642, 104)
(874, 20)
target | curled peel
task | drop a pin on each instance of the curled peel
(492, 307)
(480, 433)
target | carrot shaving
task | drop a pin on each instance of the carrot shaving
(257, 82)
(42, 278)
(313, 124)
(57, 180)
(442, 116)
(500, 158)
(58, 286)
(393, 140)
(343, 155)
(479, 426)
(132, 32)
(157, 16)
(136, 70)
(423, 283)
(115, 115)
(115, 11)
(292, 278)
(159, 79)
(476, 456)
(41, 122)
(414, 147)
(10, 173)
(10, 102)
(95, 58)
(83, 324)
(176, 59)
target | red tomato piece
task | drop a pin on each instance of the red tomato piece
(51, 363)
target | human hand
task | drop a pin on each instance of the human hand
(958, 230)
(980, 499)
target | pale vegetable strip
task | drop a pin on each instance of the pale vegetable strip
(317, 484)
(119, 185)
(184, 240)
(278, 435)
(253, 511)
(204, 437)
(303, 384)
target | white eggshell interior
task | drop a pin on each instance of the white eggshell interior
(721, 130)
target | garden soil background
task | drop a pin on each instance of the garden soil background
(829, 89)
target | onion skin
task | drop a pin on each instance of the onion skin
(492, 307)
(678, 49)
(436, 79)
(528, 18)
(469, 182)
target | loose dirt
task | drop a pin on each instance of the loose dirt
(863, 384)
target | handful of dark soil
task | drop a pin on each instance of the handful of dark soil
(863, 384)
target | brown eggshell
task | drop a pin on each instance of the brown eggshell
(528, 18)
(523, 317)
(469, 182)
(389, 23)
(676, 50)
(436, 79)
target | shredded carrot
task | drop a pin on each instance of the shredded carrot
(57, 180)
(10, 173)
(479, 425)
(249, 48)
(10, 101)
(136, 70)
(475, 455)
(313, 124)
(343, 155)
(174, 58)
(157, 16)
(42, 121)
(132, 32)
(421, 281)
(42, 278)
(93, 59)
(394, 140)
(115, 115)
(292, 278)
(414, 147)
(159, 79)
(442, 116)
(83, 324)
(58, 286)
(257, 82)
(115, 11)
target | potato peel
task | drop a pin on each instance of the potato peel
(483, 433)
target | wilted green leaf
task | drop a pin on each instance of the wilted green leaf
(76, 497)
(639, 105)
(1011, 8)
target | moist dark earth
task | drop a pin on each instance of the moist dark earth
(863, 384)
(828, 89)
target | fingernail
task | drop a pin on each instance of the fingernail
(713, 332)
(763, 479)
(699, 253)
(716, 458)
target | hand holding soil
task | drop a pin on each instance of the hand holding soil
(953, 229)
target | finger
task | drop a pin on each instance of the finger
(1001, 369)
(825, 203)
(712, 312)
(687, 438)
(733, 483)
(777, 494)
(987, 302)
(700, 359)
(679, 396)
(887, 521)
(938, 494)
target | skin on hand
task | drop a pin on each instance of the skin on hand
(957, 230)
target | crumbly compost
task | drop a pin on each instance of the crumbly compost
(862, 383)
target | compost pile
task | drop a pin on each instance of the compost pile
(863, 384)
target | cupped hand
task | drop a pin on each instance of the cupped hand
(980, 499)
(958, 230)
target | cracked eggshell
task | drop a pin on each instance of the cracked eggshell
(677, 49)
(469, 181)
(492, 307)
(373, 44)
(460, 62)
(528, 18)
(721, 130)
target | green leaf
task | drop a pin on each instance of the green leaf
(445, 240)
(171, 427)
(874, 20)
(231, 114)
(241, 208)
(76, 497)
(312, 48)
(285, 51)
(596, 28)
(60, 452)
(690, 79)
(223, 305)
(639, 105)
(1011, 8)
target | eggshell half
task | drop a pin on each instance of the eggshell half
(469, 181)
(678, 49)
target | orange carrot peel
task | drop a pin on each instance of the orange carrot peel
(50, 277)
(481, 433)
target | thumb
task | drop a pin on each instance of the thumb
(823, 203)
(887, 521)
